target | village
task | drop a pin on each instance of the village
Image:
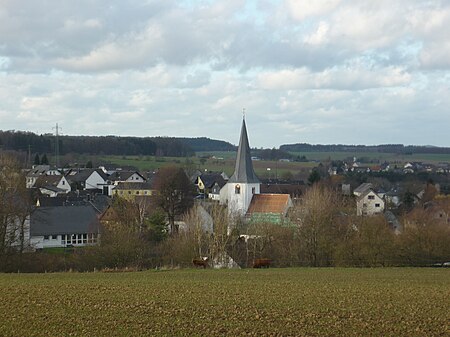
(80, 207)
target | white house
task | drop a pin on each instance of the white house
(64, 226)
(52, 185)
(369, 203)
(88, 179)
(126, 176)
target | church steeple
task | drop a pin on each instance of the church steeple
(244, 183)
(243, 172)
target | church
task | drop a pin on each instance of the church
(242, 192)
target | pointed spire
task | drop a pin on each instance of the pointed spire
(243, 172)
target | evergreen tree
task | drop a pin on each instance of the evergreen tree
(44, 160)
(314, 177)
(37, 160)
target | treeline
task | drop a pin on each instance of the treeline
(387, 148)
(94, 145)
(111, 145)
(272, 154)
(207, 144)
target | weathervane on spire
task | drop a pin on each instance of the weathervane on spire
(243, 113)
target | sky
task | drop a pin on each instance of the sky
(306, 71)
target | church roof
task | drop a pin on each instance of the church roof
(269, 203)
(243, 172)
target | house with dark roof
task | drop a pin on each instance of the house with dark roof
(295, 190)
(210, 184)
(361, 189)
(126, 176)
(89, 179)
(64, 226)
(369, 203)
(52, 185)
(35, 173)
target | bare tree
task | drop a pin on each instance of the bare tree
(15, 207)
(175, 193)
(316, 219)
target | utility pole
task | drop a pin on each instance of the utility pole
(29, 157)
(57, 128)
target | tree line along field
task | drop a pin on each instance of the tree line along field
(227, 161)
(215, 165)
(271, 302)
(224, 161)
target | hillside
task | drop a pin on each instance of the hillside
(387, 148)
(110, 145)
(207, 144)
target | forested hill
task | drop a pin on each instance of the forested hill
(388, 148)
(110, 145)
(207, 144)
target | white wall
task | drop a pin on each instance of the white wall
(367, 205)
(238, 203)
(94, 181)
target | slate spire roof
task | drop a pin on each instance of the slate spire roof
(243, 172)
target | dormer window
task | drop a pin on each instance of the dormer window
(237, 189)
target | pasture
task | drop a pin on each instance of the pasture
(270, 302)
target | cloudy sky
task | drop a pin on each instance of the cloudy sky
(315, 71)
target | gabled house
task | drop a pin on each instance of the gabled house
(35, 173)
(88, 179)
(64, 226)
(210, 184)
(52, 185)
(369, 203)
(126, 176)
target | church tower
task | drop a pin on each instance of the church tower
(244, 183)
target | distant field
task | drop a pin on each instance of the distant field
(272, 302)
(225, 161)
(390, 157)
(217, 165)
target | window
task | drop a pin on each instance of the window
(253, 190)
(237, 189)
(137, 192)
(54, 237)
(45, 237)
(371, 197)
(63, 182)
(377, 205)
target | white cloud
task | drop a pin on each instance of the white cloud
(337, 78)
(302, 9)
(309, 71)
